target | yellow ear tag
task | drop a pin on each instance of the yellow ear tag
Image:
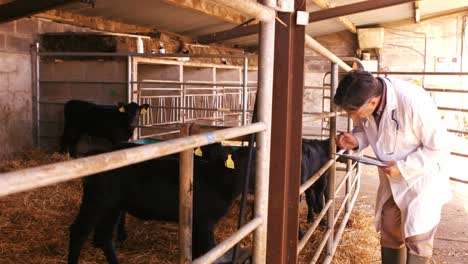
(229, 163)
(122, 109)
(198, 152)
(143, 111)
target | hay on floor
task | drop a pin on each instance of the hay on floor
(34, 227)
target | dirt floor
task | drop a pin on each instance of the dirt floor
(34, 227)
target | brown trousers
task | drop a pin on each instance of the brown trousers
(392, 233)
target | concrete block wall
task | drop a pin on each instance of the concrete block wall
(54, 95)
(16, 89)
(342, 44)
(408, 47)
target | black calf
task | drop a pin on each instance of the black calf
(150, 191)
(315, 153)
(114, 123)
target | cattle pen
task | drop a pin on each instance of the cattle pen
(240, 97)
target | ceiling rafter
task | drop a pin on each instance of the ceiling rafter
(314, 16)
(325, 4)
(23, 8)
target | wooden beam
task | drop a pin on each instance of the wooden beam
(353, 9)
(313, 17)
(325, 4)
(23, 8)
(417, 11)
(210, 8)
(229, 34)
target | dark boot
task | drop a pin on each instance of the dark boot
(414, 259)
(393, 256)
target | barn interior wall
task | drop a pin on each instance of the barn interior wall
(342, 44)
(16, 39)
(436, 45)
(16, 67)
(54, 95)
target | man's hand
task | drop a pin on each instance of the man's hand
(346, 141)
(392, 170)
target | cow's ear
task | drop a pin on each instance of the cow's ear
(121, 107)
(144, 109)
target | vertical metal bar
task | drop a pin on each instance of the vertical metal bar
(264, 106)
(349, 167)
(37, 98)
(141, 120)
(129, 79)
(185, 201)
(182, 94)
(286, 132)
(244, 91)
(332, 170)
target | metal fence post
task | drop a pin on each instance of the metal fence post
(332, 174)
(185, 200)
(245, 95)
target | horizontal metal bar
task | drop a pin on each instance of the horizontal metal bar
(160, 134)
(80, 82)
(135, 54)
(457, 131)
(445, 90)
(458, 180)
(321, 246)
(322, 116)
(27, 179)
(317, 47)
(230, 242)
(421, 73)
(315, 177)
(311, 229)
(459, 154)
(314, 88)
(453, 109)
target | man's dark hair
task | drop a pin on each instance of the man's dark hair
(355, 89)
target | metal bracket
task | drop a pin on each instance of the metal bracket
(302, 18)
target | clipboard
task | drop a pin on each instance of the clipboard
(364, 160)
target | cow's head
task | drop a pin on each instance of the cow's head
(132, 111)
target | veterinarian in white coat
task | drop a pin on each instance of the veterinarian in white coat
(401, 123)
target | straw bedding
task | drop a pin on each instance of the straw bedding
(34, 227)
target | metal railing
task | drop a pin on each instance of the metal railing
(28, 179)
(332, 236)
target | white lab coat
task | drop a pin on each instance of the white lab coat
(420, 145)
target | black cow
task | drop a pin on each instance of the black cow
(114, 123)
(150, 191)
(315, 154)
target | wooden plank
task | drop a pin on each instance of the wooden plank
(229, 34)
(285, 164)
(210, 8)
(22, 8)
(353, 9)
(325, 4)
